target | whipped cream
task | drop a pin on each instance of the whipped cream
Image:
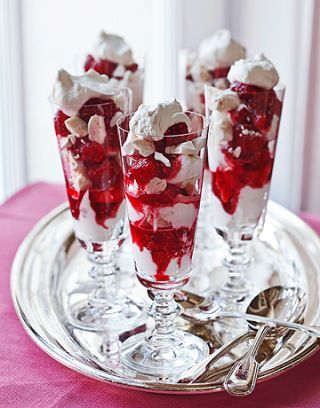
(152, 121)
(220, 50)
(86, 227)
(113, 48)
(71, 92)
(258, 71)
(149, 124)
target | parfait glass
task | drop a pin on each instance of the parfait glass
(90, 154)
(241, 152)
(162, 225)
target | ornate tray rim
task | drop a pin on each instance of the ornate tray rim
(165, 388)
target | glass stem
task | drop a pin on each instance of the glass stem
(164, 310)
(237, 262)
(103, 272)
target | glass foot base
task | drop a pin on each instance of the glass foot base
(166, 359)
(228, 328)
(100, 317)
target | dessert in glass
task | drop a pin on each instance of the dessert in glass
(244, 123)
(86, 110)
(209, 66)
(113, 57)
(162, 154)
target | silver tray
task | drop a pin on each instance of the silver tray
(50, 265)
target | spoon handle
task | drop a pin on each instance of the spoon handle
(242, 377)
(310, 330)
(193, 374)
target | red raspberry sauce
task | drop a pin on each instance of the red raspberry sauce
(253, 167)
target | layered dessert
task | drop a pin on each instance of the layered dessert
(243, 132)
(113, 57)
(85, 124)
(163, 166)
(210, 66)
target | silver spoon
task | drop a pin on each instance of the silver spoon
(288, 304)
(208, 313)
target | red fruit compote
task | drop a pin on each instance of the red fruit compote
(244, 123)
(113, 57)
(87, 109)
(162, 151)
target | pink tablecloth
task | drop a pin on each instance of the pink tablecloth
(30, 378)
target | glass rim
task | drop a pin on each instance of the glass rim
(116, 92)
(204, 127)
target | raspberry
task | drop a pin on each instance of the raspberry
(178, 129)
(106, 175)
(132, 67)
(219, 72)
(92, 153)
(101, 66)
(89, 63)
(250, 142)
(59, 125)
(143, 169)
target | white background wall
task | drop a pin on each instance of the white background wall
(55, 32)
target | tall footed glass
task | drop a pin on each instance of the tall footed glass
(89, 149)
(163, 197)
(243, 133)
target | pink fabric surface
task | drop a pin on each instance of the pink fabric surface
(30, 378)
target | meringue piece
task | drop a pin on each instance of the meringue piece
(78, 176)
(222, 100)
(271, 147)
(97, 129)
(220, 130)
(258, 71)
(152, 121)
(119, 71)
(64, 142)
(220, 50)
(77, 126)
(182, 148)
(113, 48)
(272, 132)
(236, 152)
(162, 158)
(144, 147)
(190, 168)
(71, 92)
(155, 186)
(115, 118)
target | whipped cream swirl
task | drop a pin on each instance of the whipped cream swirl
(113, 48)
(258, 71)
(71, 92)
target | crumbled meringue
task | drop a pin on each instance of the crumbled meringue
(97, 129)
